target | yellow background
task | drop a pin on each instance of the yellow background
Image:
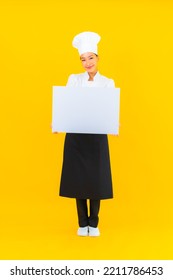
(136, 50)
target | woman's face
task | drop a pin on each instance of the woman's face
(89, 62)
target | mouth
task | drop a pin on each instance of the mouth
(89, 67)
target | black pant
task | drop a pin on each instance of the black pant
(83, 218)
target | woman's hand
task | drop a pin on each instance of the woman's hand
(116, 134)
(55, 132)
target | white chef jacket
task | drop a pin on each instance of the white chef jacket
(99, 80)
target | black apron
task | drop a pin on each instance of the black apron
(86, 172)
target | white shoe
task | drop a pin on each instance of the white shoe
(82, 231)
(94, 231)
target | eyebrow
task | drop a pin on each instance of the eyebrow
(86, 57)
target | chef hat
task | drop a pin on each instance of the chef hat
(86, 42)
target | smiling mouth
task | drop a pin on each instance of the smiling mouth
(89, 67)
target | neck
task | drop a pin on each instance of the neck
(91, 75)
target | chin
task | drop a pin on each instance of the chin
(91, 70)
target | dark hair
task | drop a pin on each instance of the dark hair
(93, 53)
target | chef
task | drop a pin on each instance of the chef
(86, 171)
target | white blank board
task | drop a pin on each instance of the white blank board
(85, 110)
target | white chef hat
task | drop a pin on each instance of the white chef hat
(86, 42)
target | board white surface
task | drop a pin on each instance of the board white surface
(85, 110)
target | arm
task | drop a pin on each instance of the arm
(111, 83)
(71, 81)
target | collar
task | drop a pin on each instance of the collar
(96, 77)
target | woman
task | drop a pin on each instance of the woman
(86, 173)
